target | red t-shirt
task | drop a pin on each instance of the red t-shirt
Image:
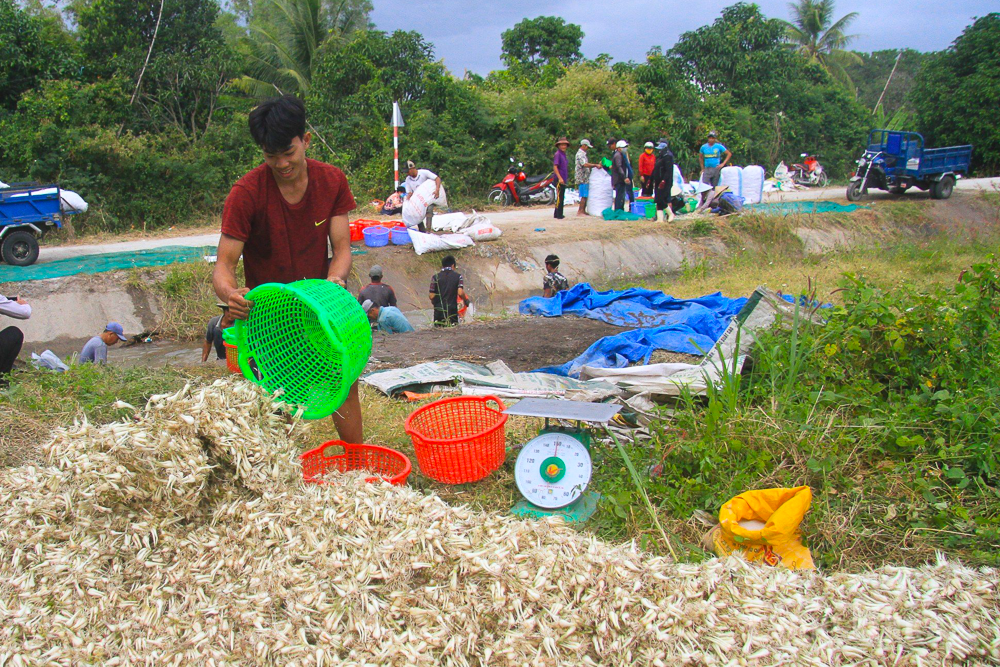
(284, 242)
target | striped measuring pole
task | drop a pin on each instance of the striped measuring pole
(397, 122)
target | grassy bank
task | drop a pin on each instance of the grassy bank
(887, 412)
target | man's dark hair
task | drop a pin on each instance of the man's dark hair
(612, 141)
(274, 123)
(552, 260)
(449, 260)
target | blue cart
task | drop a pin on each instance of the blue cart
(896, 161)
(27, 212)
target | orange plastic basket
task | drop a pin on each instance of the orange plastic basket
(459, 440)
(390, 465)
(232, 359)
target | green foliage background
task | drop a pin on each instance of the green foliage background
(166, 150)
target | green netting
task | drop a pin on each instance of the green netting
(114, 261)
(795, 207)
(310, 339)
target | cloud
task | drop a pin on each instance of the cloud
(467, 34)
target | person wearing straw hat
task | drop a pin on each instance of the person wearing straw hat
(281, 218)
(560, 166)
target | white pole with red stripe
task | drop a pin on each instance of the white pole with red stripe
(397, 122)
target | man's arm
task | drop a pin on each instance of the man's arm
(392, 297)
(555, 170)
(729, 155)
(340, 239)
(463, 296)
(437, 186)
(19, 309)
(101, 355)
(205, 349)
(224, 277)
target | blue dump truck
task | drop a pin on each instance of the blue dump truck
(27, 212)
(896, 161)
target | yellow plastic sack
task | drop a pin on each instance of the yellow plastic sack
(779, 541)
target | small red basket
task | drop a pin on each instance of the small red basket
(459, 440)
(232, 358)
(390, 465)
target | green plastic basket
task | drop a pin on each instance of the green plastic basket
(309, 338)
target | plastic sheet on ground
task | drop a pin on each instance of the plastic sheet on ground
(808, 207)
(638, 307)
(114, 261)
(726, 357)
(493, 379)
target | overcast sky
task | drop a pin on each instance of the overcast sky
(466, 33)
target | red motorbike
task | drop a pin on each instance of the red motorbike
(810, 171)
(516, 188)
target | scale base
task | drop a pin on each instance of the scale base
(576, 512)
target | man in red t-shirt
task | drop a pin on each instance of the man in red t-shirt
(280, 218)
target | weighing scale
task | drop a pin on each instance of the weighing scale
(553, 470)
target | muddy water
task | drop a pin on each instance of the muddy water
(159, 353)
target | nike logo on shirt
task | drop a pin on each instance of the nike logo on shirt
(320, 222)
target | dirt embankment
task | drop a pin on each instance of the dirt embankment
(498, 274)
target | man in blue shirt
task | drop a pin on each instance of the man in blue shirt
(387, 318)
(714, 156)
(96, 349)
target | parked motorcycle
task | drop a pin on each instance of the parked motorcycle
(810, 172)
(517, 188)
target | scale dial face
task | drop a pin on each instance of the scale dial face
(553, 470)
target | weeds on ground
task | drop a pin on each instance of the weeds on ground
(887, 411)
(699, 228)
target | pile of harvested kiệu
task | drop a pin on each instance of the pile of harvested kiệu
(185, 536)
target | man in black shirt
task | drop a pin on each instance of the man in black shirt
(377, 292)
(447, 288)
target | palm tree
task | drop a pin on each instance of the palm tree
(282, 52)
(814, 34)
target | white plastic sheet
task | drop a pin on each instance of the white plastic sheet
(437, 242)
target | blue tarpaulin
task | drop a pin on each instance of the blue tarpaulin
(659, 322)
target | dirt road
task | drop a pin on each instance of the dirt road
(516, 223)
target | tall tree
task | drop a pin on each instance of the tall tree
(29, 51)
(115, 34)
(872, 73)
(957, 93)
(739, 53)
(546, 39)
(284, 46)
(815, 34)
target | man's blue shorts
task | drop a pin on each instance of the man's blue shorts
(584, 189)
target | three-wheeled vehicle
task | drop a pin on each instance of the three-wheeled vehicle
(896, 161)
(27, 212)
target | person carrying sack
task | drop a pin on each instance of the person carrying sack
(663, 178)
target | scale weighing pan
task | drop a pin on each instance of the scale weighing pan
(553, 470)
